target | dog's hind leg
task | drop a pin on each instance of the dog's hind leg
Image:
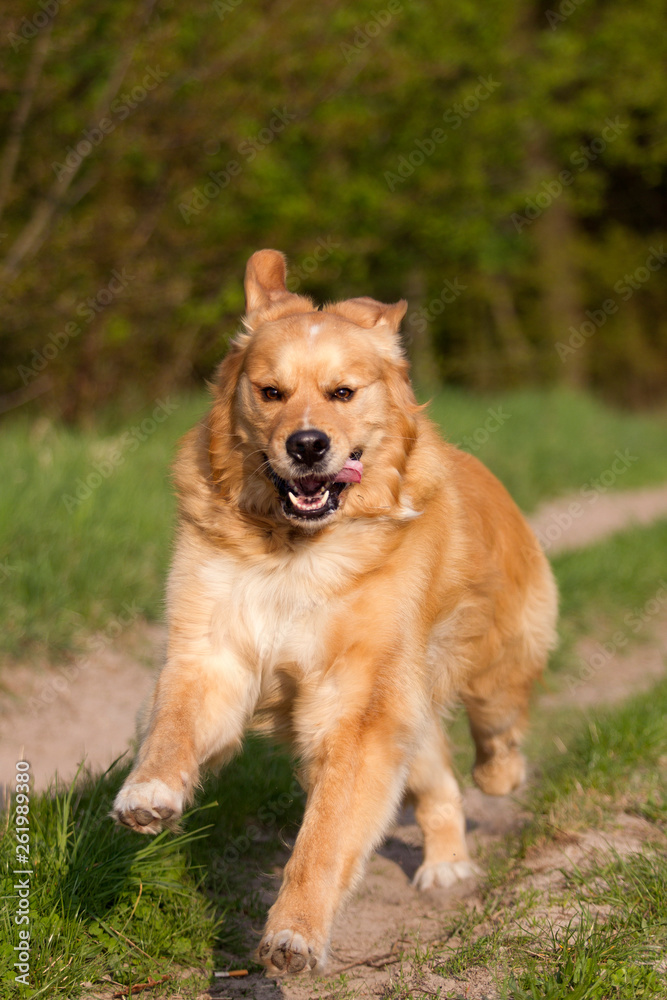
(497, 702)
(434, 791)
(497, 694)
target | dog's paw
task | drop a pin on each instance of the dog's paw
(501, 774)
(287, 951)
(147, 806)
(443, 875)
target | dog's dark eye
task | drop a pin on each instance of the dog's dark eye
(343, 393)
(270, 392)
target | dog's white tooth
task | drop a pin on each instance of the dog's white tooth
(325, 497)
(292, 498)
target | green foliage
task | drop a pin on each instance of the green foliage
(388, 149)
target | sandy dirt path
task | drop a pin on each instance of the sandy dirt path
(571, 522)
(56, 716)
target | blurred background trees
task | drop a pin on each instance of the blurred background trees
(502, 165)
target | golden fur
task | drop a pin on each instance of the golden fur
(347, 632)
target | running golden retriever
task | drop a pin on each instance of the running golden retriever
(341, 576)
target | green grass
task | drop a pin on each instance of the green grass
(615, 590)
(105, 901)
(189, 904)
(617, 756)
(605, 940)
(549, 443)
(71, 566)
(617, 931)
(101, 900)
(622, 576)
(597, 959)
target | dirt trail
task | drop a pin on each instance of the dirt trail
(387, 916)
(571, 522)
(53, 717)
(56, 716)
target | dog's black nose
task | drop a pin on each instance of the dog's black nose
(307, 447)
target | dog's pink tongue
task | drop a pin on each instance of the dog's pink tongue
(351, 472)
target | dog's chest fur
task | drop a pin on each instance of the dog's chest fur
(277, 610)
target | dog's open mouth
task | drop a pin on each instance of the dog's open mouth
(314, 495)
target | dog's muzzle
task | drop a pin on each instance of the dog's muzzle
(314, 496)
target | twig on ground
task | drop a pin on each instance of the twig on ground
(129, 991)
(112, 930)
(374, 961)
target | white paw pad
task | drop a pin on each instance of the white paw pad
(286, 951)
(147, 806)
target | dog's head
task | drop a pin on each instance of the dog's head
(314, 415)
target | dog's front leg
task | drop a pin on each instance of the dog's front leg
(356, 780)
(199, 710)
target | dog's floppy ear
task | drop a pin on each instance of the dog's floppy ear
(369, 313)
(266, 294)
